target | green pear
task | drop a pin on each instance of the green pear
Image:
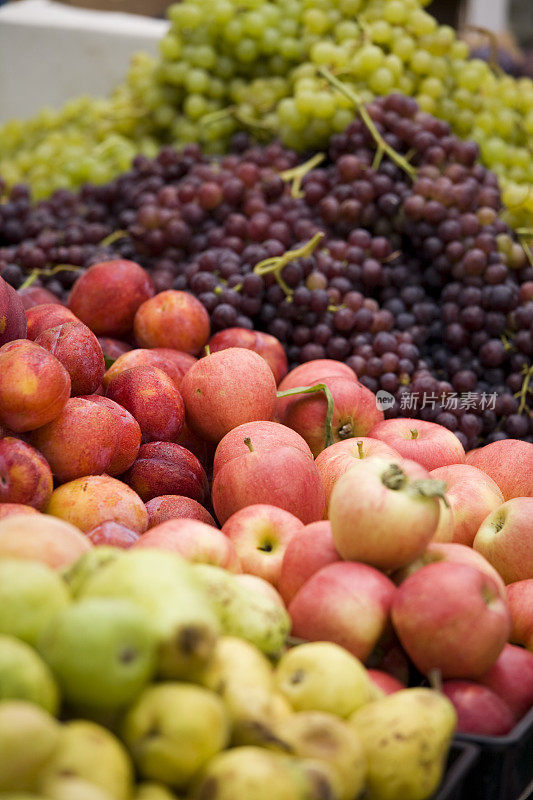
(25, 676)
(66, 787)
(253, 773)
(406, 737)
(244, 677)
(152, 791)
(244, 612)
(173, 730)
(29, 736)
(77, 573)
(165, 585)
(322, 676)
(324, 737)
(102, 652)
(92, 754)
(30, 595)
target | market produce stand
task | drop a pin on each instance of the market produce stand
(266, 440)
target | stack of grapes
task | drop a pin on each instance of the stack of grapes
(387, 252)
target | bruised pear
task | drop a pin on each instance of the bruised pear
(406, 737)
(167, 588)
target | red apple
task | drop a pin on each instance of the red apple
(505, 538)
(520, 599)
(195, 541)
(451, 617)
(308, 551)
(346, 603)
(479, 710)
(384, 513)
(472, 495)
(167, 468)
(264, 434)
(387, 683)
(509, 463)
(445, 525)
(172, 319)
(225, 389)
(108, 294)
(308, 374)
(12, 314)
(354, 412)
(262, 343)
(112, 534)
(511, 678)
(260, 534)
(430, 444)
(285, 477)
(176, 506)
(337, 459)
(458, 554)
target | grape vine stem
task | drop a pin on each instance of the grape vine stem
(36, 273)
(276, 264)
(382, 146)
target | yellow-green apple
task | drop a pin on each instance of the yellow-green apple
(25, 475)
(451, 617)
(259, 586)
(262, 343)
(9, 509)
(225, 389)
(88, 501)
(509, 462)
(172, 362)
(167, 468)
(112, 534)
(260, 534)
(40, 537)
(176, 506)
(80, 441)
(284, 477)
(195, 541)
(347, 603)
(152, 398)
(471, 494)
(451, 551)
(12, 314)
(511, 678)
(47, 315)
(387, 683)
(34, 386)
(172, 319)
(430, 444)
(308, 551)
(127, 435)
(520, 599)
(309, 373)
(479, 710)
(78, 349)
(505, 538)
(107, 295)
(36, 296)
(265, 434)
(384, 512)
(355, 412)
(337, 459)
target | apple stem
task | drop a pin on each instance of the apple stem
(207, 350)
(249, 445)
(435, 679)
(414, 433)
(317, 387)
(360, 449)
(394, 477)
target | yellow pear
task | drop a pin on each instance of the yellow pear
(406, 738)
(325, 737)
(152, 791)
(322, 676)
(29, 736)
(91, 753)
(66, 787)
(25, 676)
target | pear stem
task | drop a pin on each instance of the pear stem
(318, 387)
(435, 679)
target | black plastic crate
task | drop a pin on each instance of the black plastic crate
(504, 770)
(462, 759)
